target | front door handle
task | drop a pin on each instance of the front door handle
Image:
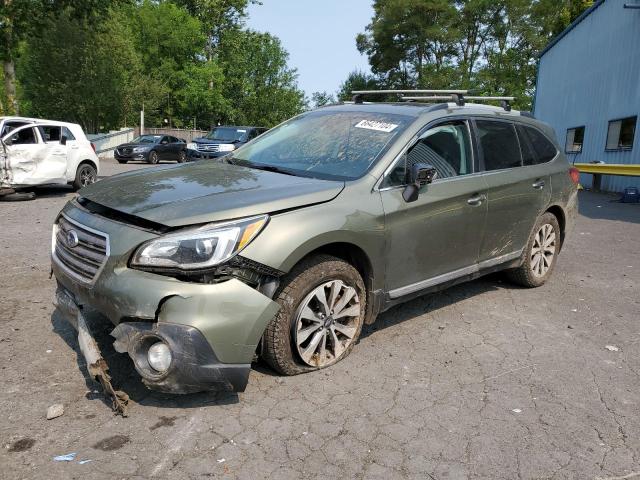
(476, 200)
(539, 185)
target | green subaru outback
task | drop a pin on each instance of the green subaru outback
(287, 246)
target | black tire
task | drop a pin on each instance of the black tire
(153, 157)
(121, 161)
(182, 156)
(85, 175)
(525, 275)
(278, 343)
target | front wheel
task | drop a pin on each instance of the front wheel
(182, 156)
(85, 175)
(153, 157)
(540, 254)
(322, 308)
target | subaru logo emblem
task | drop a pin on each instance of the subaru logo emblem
(72, 239)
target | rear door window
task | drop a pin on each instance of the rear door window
(499, 145)
(50, 133)
(544, 149)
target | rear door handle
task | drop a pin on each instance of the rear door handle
(476, 200)
(538, 185)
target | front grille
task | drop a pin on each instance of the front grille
(79, 250)
(208, 147)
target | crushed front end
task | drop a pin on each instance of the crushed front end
(184, 331)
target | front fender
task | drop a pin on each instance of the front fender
(355, 217)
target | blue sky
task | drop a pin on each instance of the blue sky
(319, 36)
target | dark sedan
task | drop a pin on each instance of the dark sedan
(152, 149)
(220, 141)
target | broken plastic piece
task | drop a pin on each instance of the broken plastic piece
(69, 457)
(96, 365)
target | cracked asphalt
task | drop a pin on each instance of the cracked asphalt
(482, 381)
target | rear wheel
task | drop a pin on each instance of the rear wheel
(540, 253)
(182, 156)
(153, 157)
(322, 306)
(85, 175)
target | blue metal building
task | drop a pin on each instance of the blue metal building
(588, 88)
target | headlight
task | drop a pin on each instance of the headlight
(227, 147)
(139, 149)
(192, 146)
(199, 247)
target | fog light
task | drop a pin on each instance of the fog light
(159, 357)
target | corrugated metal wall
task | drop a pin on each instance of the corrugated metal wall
(591, 76)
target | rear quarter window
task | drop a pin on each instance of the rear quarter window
(544, 149)
(499, 144)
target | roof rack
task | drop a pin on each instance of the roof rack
(505, 102)
(457, 96)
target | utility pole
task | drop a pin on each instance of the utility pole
(142, 120)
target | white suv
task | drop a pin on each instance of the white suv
(44, 152)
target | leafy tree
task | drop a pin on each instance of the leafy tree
(320, 99)
(357, 80)
(259, 85)
(23, 19)
(99, 92)
(488, 46)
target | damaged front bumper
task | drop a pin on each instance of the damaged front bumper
(212, 330)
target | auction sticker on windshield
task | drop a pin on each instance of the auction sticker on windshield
(378, 126)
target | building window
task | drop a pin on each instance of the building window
(621, 134)
(575, 137)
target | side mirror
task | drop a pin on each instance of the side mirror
(63, 140)
(8, 141)
(420, 174)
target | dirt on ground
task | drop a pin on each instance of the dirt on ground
(482, 381)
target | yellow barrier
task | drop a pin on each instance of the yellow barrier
(609, 169)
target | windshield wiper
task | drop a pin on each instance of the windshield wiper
(261, 166)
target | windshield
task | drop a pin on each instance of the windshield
(146, 139)
(325, 144)
(226, 134)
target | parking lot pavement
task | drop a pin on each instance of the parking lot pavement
(484, 380)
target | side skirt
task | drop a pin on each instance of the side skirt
(444, 281)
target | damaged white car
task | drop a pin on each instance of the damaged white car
(42, 152)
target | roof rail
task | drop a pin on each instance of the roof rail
(505, 102)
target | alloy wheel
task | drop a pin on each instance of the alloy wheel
(87, 176)
(327, 323)
(543, 250)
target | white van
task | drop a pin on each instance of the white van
(44, 152)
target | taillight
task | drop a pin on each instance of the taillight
(93, 145)
(574, 173)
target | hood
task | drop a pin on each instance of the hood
(200, 192)
(132, 145)
(213, 140)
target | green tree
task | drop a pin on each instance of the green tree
(24, 19)
(259, 85)
(406, 35)
(357, 80)
(85, 72)
(320, 99)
